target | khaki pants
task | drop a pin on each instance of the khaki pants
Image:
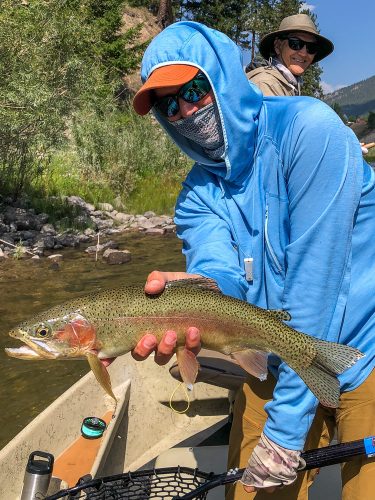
(354, 419)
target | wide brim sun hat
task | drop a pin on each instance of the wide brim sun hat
(302, 23)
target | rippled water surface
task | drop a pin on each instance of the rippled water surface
(28, 287)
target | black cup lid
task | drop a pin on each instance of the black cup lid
(40, 462)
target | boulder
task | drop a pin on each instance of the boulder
(112, 256)
(106, 207)
(155, 231)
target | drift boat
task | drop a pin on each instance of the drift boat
(143, 433)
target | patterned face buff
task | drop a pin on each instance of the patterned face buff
(204, 128)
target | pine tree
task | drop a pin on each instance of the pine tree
(285, 8)
(371, 120)
(337, 108)
(230, 17)
(260, 20)
(311, 78)
(119, 51)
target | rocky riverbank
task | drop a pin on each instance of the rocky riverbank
(27, 234)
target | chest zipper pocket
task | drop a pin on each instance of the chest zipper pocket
(269, 246)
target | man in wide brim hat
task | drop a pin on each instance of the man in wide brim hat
(301, 23)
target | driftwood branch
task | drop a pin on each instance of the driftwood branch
(15, 246)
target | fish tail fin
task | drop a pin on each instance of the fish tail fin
(330, 360)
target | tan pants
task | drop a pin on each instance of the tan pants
(354, 419)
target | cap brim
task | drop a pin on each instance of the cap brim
(165, 76)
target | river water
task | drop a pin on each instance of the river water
(28, 287)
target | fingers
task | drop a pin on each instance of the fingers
(157, 280)
(193, 340)
(166, 347)
(148, 344)
(144, 347)
(107, 361)
(249, 489)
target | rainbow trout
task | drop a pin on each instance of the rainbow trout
(109, 323)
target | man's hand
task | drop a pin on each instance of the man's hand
(271, 466)
(155, 284)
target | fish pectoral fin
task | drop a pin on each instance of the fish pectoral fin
(101, 373)
(188, 366)
(254, 362)
(280, 314)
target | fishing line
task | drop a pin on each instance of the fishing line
(187, 398)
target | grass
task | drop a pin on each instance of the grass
(370, 157)
(117, 157)
(156, 193)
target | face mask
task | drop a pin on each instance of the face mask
(204, 128)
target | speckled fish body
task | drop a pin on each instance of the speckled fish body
(110, 323)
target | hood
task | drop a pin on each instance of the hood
(238, 100)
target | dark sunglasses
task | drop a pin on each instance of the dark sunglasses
(298, 44)
(192, 91)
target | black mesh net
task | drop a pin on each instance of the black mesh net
(167, 483)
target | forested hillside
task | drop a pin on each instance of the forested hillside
(356, 100)
(68, 71)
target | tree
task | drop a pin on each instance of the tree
(165, 14)
(371, 120)
(56, 58)
(230, 17)
(337, 108)
(43, 65)
(285, 8)
(260, 20)
(311, 78)
(118, 51)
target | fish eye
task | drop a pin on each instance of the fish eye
(42, 331)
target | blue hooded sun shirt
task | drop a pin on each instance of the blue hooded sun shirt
(294, 194)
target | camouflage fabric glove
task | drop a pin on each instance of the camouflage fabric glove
(271, 465)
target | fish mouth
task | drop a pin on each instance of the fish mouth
(34, 349)
(23, 352)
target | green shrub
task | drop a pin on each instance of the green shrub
(116, 155)
(126, 153)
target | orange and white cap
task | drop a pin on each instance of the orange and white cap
(165, 76)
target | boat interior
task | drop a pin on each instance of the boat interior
(154, 425)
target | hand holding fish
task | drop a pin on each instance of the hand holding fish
(155, 284)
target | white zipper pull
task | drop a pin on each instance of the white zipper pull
(249, 261)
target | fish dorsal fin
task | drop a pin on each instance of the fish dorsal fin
(203, 283)
(280, 314)
(254, 362)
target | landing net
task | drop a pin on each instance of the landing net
(167, 483)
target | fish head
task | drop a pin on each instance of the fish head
(67, 336)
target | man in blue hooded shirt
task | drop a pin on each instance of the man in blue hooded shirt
(279, 209)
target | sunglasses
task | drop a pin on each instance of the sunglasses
(298, 44)
(192, 91)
